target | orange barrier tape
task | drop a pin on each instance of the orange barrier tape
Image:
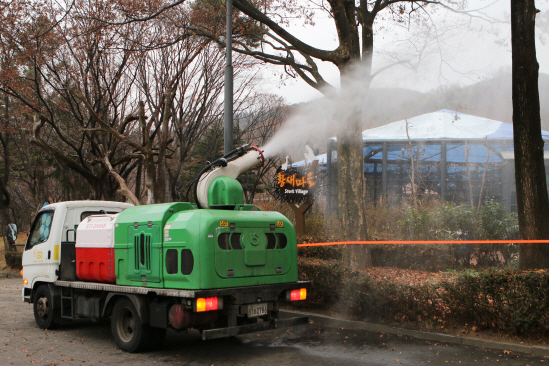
(373, 242)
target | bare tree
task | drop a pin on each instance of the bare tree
(267, 39)
(97, 63)
(193, 71)
(532, 199)
(257, 126)
(5, 195)
(83, 82)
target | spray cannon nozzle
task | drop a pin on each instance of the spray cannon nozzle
(261, 156)
(231, 165)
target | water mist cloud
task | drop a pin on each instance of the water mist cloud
(313, 123)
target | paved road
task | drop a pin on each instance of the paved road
(90, 343)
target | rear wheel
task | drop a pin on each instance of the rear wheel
(44, 312)
(129, 333)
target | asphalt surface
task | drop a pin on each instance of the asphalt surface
(90, 343)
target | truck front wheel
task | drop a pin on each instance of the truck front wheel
(44, 312)
(129, 333)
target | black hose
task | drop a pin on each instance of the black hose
(189, 186)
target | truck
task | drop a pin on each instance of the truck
(218, 265)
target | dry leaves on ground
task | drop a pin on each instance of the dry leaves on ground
(408, 277)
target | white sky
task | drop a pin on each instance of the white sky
(470, 52)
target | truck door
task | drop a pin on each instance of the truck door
(39, 252)
(144, 254)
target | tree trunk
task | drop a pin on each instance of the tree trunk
(124, 189)
(532, 200)
(5, 196)
(138, 174)
(150, 167)
(350, 170)
(160, 184)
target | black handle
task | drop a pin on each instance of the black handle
(74, 231)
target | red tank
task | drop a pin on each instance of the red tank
(95, 249)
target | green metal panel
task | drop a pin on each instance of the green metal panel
(188, 241)
(254, 264)
(145, 253)
(182, 232)
(251, 260)
(225, 191)
(138, 243)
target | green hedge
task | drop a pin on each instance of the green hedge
(336, 287)
(14, 259)
(514, 302)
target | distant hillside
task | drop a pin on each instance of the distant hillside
(488, 98)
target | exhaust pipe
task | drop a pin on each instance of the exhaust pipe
(180, 318)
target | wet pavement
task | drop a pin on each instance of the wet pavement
(90, 343)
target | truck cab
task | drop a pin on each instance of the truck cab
(54, 227)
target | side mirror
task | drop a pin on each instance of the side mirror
(12, 233)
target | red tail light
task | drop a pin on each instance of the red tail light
(298, 294)
(207, 304)
(211, 303)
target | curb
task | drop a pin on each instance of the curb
(428, 336)
(10, 275)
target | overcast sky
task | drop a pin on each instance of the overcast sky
(466, 50)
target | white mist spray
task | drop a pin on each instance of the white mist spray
(313, 123)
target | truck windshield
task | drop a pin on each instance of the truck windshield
(40, 231)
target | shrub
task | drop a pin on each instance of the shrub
(338, 288)
(14, 259)
(504, 300)
(432, 220)
(448, 221)
(509, 301)
(432, 258)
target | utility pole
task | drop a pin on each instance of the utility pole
(228, 117)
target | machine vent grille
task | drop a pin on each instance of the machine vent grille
(148, 252)
(171, 261)
(187, 262)
(271, 240)
(136, 251)
(223, 241)
(235, 241)
(142, 249)
(282, 241)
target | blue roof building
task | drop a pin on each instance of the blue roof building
(453, 155)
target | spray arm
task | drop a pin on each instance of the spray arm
(231, 165)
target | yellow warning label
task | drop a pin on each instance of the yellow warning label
(56, 252)
(280, 224)
(224, 223)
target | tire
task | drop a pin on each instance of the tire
(157, 338)
(129, 333)
(44, 312)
